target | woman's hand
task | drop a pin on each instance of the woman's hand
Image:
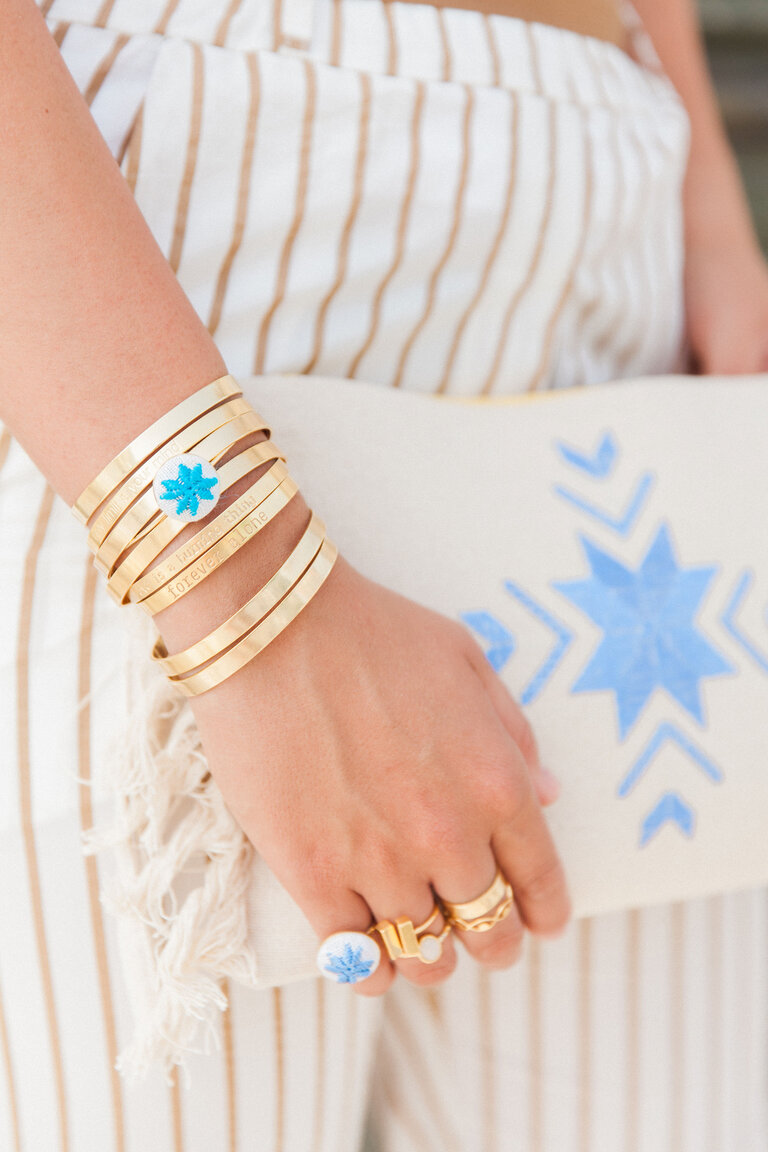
(370, 752)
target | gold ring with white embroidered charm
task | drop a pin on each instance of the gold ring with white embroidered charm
(485, 911)
(404, 941)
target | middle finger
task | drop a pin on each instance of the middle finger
(412, 898)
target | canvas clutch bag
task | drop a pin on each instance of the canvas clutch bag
(606, 546)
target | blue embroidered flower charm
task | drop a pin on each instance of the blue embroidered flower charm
(186, 487)
(348, 957)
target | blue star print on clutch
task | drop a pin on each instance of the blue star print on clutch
(650, 638)
(188, 488)
(348, 966)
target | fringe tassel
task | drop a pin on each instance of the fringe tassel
(183, 866)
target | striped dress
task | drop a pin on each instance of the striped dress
(429, 199)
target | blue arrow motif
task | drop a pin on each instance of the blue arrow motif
(670, 807)
(601, 461)
(728, 619)
(502, 643)
(625, 521)
(563, 638)
(663, 733)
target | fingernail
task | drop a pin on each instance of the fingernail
(552, 783)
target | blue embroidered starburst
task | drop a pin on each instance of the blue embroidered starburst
(650, 638)
(348, 966)
(189, 488)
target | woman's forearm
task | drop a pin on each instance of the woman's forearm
(714, 195)
(98, 338)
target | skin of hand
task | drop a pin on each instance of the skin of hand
(371, 755)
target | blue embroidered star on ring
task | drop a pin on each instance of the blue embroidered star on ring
(348, 957)
(186, 487)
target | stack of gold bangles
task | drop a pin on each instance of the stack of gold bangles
(167, 478)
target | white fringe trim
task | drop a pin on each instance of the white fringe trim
(183, 866)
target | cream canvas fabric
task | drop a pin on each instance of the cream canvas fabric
(604, 545)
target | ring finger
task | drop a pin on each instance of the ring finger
(416, 902)
(465, 880)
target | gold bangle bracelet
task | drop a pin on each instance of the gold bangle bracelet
(142, 516)
(196, 436)
(149, 440)
(216, 555)
(211, 534)
(259, 637)
(120, 583)
(251, 613)
(144, 513)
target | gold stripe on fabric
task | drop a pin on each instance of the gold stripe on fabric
(412, 1052)
(277, 23)
(60, 32)
(104, 68)
(10, 1080)
(133, 144)
(45, 7)
(25, 805)
(434, 1003)
(494, 251)
(584, 1102)
(586, 217)
(357, 194)
(392, 57)
(177, 1118)
(488, 1055)
(525, 283)
(612, 303)
(103, 14)
(535, 1064)
(402, 224)
(298, 215)
(5, 444)
(677, 1024)
(222, 31)
(319, 1123)
(91, 869)
(632, 1032)
(447, 70)
(626, 354)
(193, 144)
(243, 192)
(277, 1006)
(493, 50)
(533, 55)
(337, 16)
(716, 1047)
(165, 17)
(601, 298)
(412, 1121)
(228, 1051)
(458, 209)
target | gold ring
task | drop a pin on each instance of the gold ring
(403, 941)
(485, 911)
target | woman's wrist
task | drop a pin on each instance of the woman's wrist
(227, 588)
